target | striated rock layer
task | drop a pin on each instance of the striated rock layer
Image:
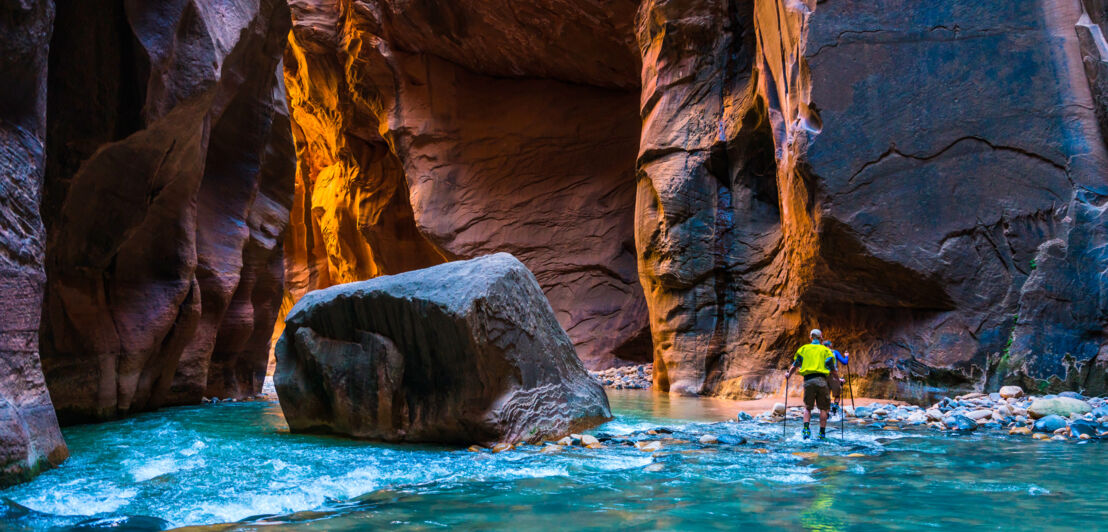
(30, 439)
(926, 183)
(465, 352)
(432, 131)
(168, 186)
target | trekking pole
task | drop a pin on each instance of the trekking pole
(785, 422)
(850, 383)
(842, 420)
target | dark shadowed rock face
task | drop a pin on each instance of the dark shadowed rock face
(463, 352)
(926, 183)
(431, 131)
(168, 183)
(29, 435)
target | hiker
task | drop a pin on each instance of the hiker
(836, 384)
(816, 363)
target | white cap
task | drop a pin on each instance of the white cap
(816, 333)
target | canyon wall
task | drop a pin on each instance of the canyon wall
(168, 185)
(924, 182)
(934, 200)
(29, 435)
(431, 131)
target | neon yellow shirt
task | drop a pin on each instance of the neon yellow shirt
(813, 359)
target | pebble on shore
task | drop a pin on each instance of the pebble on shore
(1064, 417)
(639, 377)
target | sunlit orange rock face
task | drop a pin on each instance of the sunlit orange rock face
(434, 131)
(926, 182)
(168, 184)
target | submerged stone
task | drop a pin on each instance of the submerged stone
(465, 352)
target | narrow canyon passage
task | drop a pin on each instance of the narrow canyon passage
(428, 135)
(693, 183)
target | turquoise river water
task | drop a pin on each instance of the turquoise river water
(235, 465)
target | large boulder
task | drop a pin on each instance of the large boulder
(29, 435)
(1061, 406)
(463, 352)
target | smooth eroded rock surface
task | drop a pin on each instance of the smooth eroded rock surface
(440, 131)
(29, 435)
(168, 184)
(1061, 406)
(464, 352)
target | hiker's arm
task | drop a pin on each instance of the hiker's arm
(792, 369)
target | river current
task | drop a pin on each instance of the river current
(236, 464)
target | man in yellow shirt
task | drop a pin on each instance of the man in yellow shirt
(815, 363)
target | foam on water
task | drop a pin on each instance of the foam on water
(229, 462)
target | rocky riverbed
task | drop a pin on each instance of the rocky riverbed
(638, 377)
(1062, 417)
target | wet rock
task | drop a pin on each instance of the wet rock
(864, 411)
(709, 439)
(550, 449)
(626, 377)
(743, 416)
(778, 409)
(654, 468)
(649, 446)
(1100, 411)
(566, 441)
(501, 447)
(963, 423)
(917, 418)
(731, 439)
(1072, 395)
(589, 441)
(1040, 436)
(467, 351)
(1011, 392)
(1019, 431)
(979, 414)
(1082, 427)
(1049, 423)
(1060, 406)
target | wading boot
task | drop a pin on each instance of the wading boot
(806, 433)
